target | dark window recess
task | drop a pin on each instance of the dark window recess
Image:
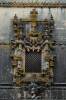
(33, 62)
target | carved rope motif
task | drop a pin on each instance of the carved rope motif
(33, 41)
(34, 4)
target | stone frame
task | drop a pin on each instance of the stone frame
(36, 41)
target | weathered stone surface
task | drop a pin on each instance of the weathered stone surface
(6, 35)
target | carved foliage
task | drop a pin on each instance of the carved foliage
(32, 41)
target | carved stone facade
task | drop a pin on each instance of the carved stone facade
(40, 37)
(33, 41)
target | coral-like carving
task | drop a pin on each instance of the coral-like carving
(30, 42)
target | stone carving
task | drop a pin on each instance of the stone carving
(33, 41)
(32, 91)
(33, 4)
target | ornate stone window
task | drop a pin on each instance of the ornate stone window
(32, 59)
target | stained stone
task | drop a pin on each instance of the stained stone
(7, 91)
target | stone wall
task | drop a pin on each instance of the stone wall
(13, 93)
(6, 35)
